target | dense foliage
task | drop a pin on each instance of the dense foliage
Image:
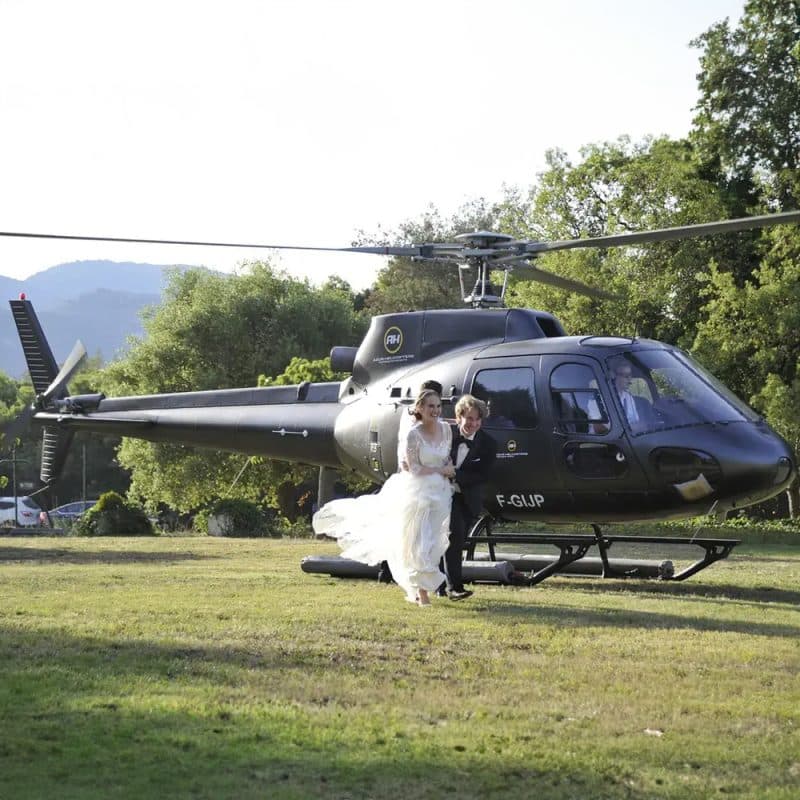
(234, 517)
(223, 331)
(112, 515)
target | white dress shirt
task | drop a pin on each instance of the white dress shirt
(462, 451)
(629, 406)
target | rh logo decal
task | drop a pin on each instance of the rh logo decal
(393, 340)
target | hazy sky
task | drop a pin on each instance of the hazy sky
(302, 122)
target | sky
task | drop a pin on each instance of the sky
(305, 121)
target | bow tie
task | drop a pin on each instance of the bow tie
(463, 440)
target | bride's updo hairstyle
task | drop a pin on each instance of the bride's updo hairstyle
(421, 399)
(434, 386)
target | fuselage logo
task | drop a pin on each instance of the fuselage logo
(393, 340)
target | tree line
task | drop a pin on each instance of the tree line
(733, 301)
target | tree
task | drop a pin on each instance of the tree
(223, 331)
(292, 487)
(618, 187)
(751, 335)
(747, 127)
(747, 134)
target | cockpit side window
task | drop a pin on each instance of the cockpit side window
(509, 394)
(660, 389)
(577, 402)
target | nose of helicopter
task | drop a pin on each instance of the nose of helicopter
(736, 465)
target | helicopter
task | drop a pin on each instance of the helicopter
(568, 449)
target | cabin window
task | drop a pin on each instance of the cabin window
(510, 396)
(577, 403)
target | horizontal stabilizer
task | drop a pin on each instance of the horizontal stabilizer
(94, 422)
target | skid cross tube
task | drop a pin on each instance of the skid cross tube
(573, 547)
(715, 549)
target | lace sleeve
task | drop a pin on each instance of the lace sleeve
(413, 442)
(448, 437)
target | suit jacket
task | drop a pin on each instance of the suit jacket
(474, 472)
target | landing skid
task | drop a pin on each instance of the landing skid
(573, 547)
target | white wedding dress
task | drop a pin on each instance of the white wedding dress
(407, 523)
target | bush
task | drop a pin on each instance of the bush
(236, 518)
(112, 515)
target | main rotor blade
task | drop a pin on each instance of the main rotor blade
(543, 276)
(382, 251)
(131, 240)
(667, 234)
(412, 251)
(450, 250)
(77, 354)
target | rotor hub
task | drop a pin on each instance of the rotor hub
(483, 239)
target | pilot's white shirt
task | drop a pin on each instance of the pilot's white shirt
(629, 406)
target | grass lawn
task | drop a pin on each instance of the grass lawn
(214, 668)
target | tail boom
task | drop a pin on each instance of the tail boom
(300, 432)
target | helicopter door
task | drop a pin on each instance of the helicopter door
(523, 469)
(589, 443)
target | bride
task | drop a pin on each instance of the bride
(407, 522)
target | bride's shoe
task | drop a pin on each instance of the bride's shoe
(423, 599)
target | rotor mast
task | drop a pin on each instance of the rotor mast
(481, 251)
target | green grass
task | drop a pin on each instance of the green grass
(211, 668)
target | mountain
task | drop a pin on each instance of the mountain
(97, 302)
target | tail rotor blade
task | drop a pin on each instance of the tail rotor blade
(72, 363)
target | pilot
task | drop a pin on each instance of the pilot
(623, 375)
(636, 408)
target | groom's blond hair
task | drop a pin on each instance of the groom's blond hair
(467, 402)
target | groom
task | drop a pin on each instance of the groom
(473, 455)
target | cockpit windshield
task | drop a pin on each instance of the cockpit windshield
(660, 389)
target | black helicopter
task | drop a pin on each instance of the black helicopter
(569, 448)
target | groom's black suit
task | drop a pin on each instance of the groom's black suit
(468, 501)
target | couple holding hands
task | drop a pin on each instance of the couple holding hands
(419, 520)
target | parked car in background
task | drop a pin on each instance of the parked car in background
(27, 512)
(66, 514)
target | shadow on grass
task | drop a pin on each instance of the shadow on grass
(629, 618)
(700, 591)
(55, 555)
(93, 739)
(744, 558)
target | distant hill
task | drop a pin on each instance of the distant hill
(97, 302)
